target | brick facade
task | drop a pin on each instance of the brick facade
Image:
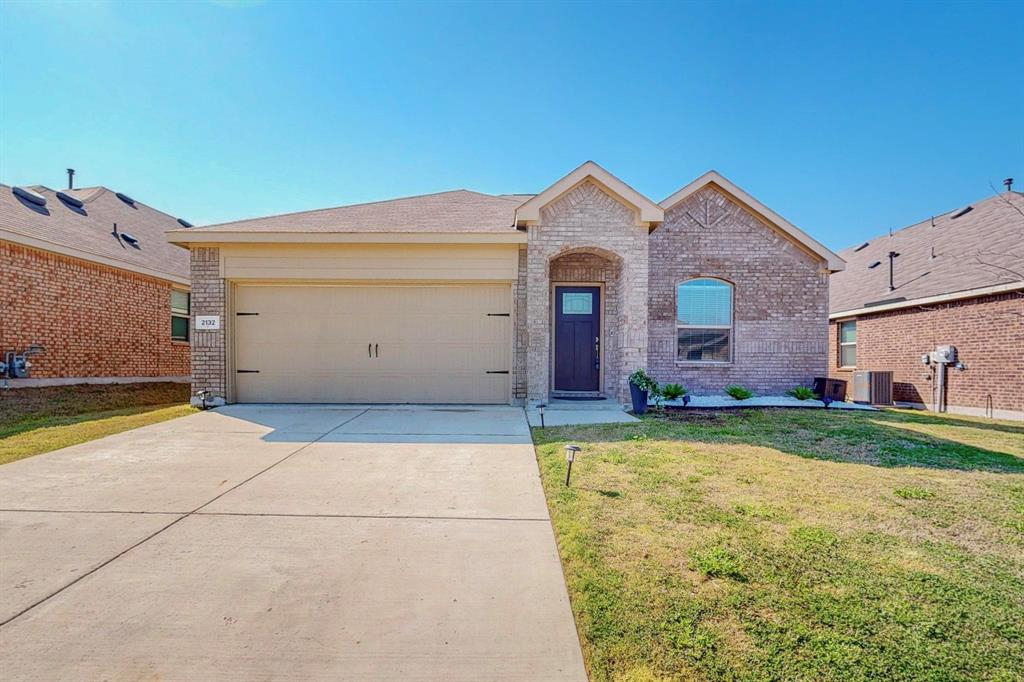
(987, 331)
(92, 320)
(209, 368)
(780, 297)
(588, 236)
(588, 220)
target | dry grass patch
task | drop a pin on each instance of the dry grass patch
(791, 544)
(38, 420)
(25, 404)
(46, 435)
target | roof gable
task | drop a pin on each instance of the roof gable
(646, 211)
(834, 262)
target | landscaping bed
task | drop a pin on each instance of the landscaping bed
(793, 544)
(724, 401)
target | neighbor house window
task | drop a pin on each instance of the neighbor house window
(848, 344)
(704, 320)
(179, 315)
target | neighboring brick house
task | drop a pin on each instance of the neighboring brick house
(958, 280)
(100, 304)
(462, 297)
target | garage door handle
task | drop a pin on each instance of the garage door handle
(247, 371)
(497, 371)
(376, 350)
(369, 350)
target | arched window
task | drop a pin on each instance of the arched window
(704, 320)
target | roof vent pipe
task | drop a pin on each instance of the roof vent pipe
(892, 258)
(1009, 184)
(71, 178)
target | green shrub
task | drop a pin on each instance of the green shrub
(801, 393)
(657, 394)
(739, 392)
(673, 391)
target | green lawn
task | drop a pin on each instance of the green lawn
(794, 545)
(38, 420)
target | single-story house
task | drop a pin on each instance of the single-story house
(956, 279)
(90, 288)
(463, 297)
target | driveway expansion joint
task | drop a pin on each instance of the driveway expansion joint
(412, 517)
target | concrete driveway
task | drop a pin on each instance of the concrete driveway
(286, 542)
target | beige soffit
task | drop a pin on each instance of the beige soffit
(928, 300)
(647, 211)
(199, 236)
(835, 263)
(43, 245)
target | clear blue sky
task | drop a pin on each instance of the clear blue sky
(847, 118)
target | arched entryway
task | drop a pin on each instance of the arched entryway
(586, 300)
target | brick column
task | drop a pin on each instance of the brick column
(208, 298)
(519, 292)
(633, 317)
(537, 325)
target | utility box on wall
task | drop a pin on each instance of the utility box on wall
(872, 388)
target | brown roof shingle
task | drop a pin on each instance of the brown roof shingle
(90, 229)
(456, 211)
(977, 249)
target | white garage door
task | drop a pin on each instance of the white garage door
(380, 343)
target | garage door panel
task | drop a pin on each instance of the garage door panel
(442, 344)
(304, 359)
(452, 357)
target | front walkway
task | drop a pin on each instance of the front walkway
(299, 542)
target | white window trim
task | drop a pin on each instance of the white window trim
(729, 327)
(183, 313)
(842, 344)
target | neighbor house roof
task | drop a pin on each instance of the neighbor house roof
(87, 232)
(965, 252)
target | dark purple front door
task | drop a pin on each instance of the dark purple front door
(577, 338)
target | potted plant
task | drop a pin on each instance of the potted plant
(641, 386)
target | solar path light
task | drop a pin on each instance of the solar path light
(570, 455)
(540, 408)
